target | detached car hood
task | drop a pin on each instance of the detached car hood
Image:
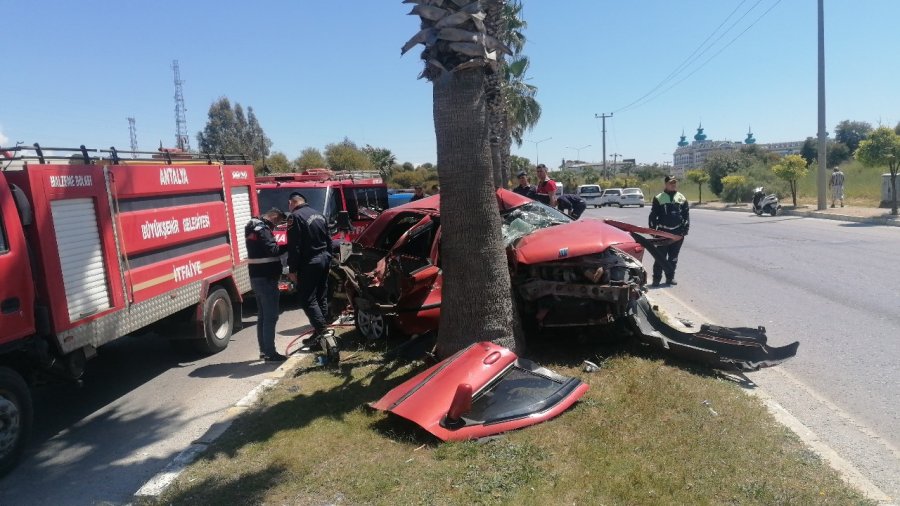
(569, 240)
(483, 390)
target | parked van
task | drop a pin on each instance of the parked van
(591, 194)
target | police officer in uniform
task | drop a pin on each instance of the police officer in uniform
(669, 213)
(264, 259)
(309, 258)
(573, 205)
(524, 189)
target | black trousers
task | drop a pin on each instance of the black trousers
(671, 254)
(312, 290)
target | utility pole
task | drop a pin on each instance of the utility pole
(822, 155)
(614, 157)
(182, 140)
(603, 116)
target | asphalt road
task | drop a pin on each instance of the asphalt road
(832, 285)
(142, 402)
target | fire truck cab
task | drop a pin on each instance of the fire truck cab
(93, 247)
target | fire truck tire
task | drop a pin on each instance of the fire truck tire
(16, 414)
(218, 322)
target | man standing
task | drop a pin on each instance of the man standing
(309, 258)
(264, 259)
(418, 193)
(546, 188)
(572, 204)
(524, 189)
(669, 213)
(837, 186)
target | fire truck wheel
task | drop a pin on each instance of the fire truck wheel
(15, 418)
(218, 321)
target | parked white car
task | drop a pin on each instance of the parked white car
(631, 197)
(591, 193)
(610, 197)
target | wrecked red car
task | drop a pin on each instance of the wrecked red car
(565, 273)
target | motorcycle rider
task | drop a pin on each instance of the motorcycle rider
(670, 212)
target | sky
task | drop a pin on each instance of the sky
(316, 72)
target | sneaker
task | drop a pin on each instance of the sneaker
(671, 281)
(276, 357)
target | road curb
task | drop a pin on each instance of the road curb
(160, 482)
(873, 220)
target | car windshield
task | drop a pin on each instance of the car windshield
(278, 197)
(631, 190)
(527, 218)
(590, 189)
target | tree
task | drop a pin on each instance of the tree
(734, 187)
(791, 169)
(472, 250)
(719, 165)
(836, 153)
(897, 128)
(310, 158)
(852, 133)
(228, 131)
(278, 162)
(382, 160)
(810, 150)
(699, 178)
(881, 149)
(346, 156)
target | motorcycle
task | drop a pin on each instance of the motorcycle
(763, 203)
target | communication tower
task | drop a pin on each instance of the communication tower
(132, 132)
(182, 141)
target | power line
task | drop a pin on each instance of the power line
(687, 61)
(644, 100)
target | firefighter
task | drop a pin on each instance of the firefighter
(264, 259)
(309, 258)
(573, 205)
(669, 213)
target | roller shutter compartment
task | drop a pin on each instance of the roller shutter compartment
(240, 202)
(81, 257)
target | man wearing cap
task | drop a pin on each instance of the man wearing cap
(309, 258)
(669, 213)
(524, 189)
(837, 186)
(264, 259)
(418, 193)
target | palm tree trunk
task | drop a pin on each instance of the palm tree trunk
(476, 303)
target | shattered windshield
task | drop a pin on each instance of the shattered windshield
(527, 218)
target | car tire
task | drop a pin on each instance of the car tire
(218, 322)
(372, 326)
(16, 415)
(621, 206)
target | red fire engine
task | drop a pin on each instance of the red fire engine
(93, 248)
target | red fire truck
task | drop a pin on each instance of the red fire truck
(93, 248)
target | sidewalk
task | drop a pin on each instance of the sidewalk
(870, 215)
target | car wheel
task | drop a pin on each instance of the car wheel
(15, 418)
(621, 206)
(372, 326)
(642, 205)
(218, 322)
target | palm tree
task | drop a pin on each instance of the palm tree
(476, 295)
(522, 110)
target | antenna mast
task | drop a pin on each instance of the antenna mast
(182, 141)
(132, 132)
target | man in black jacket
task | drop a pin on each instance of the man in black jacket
(670, 213)
(264, 259)
(309, 258)
(573, 205)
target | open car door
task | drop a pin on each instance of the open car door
(408, 269)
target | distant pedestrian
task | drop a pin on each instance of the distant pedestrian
(837, 186)
(309, 259)
(546, 187)
(524, 189)
(669, 213)
(573, 205)
(264, 259)
(418, 193)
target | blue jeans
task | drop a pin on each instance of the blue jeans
(266, 292)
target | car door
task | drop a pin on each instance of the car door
(410, 271)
